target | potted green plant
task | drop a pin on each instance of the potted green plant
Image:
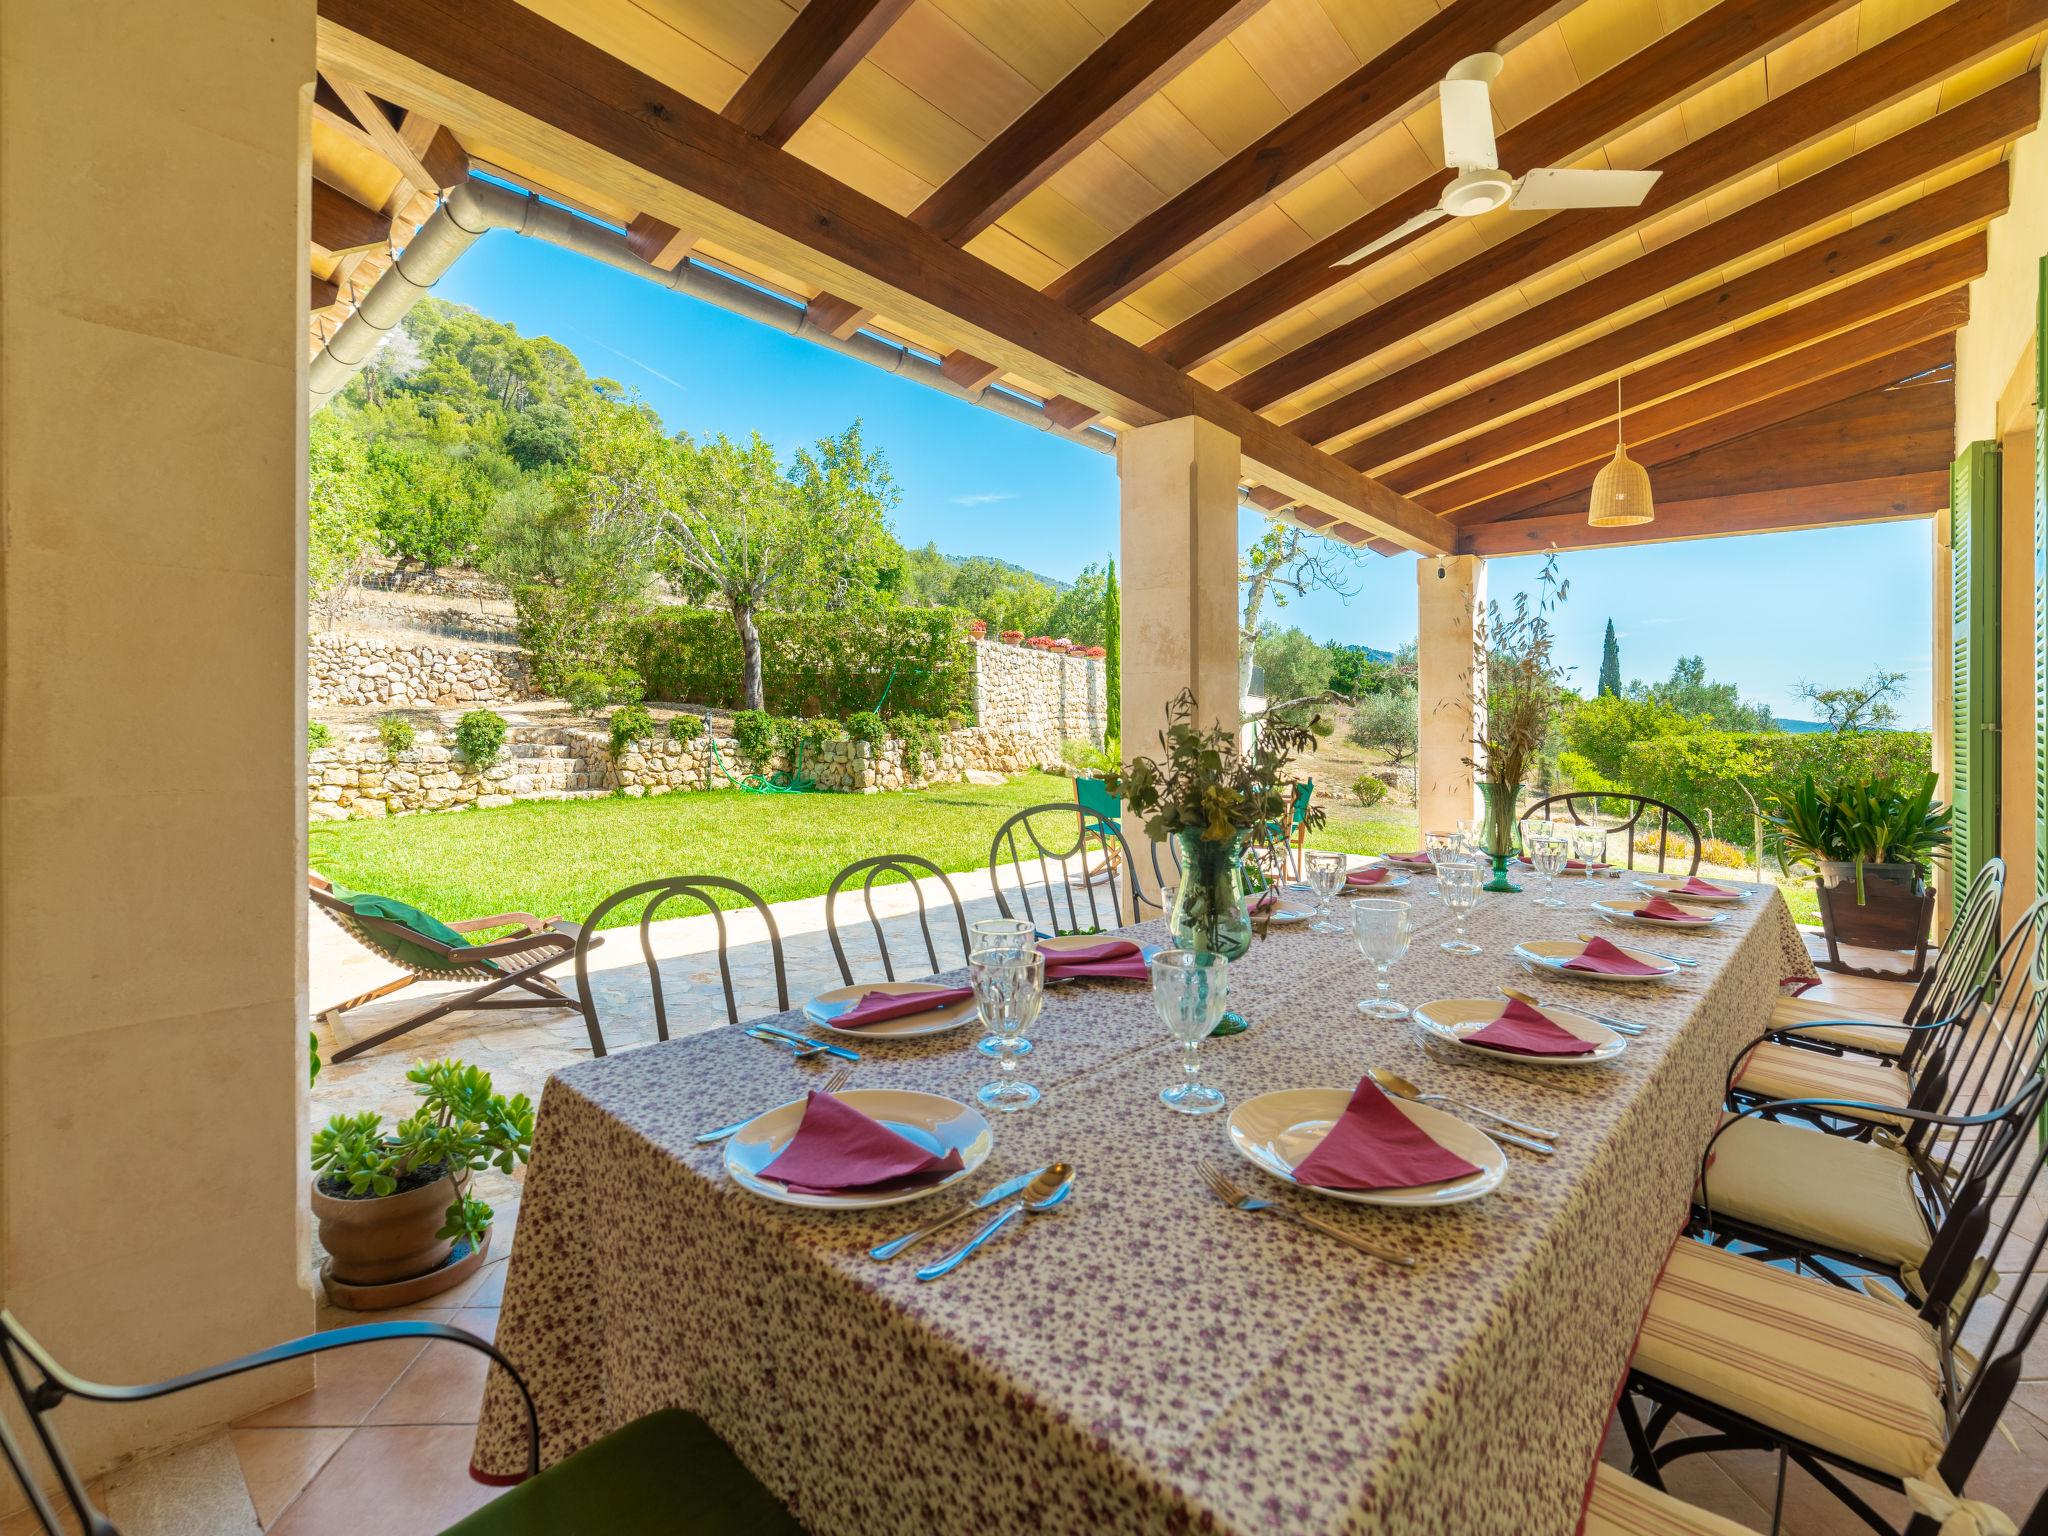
(1522, 690)
(394, 1208)
(1869, 841)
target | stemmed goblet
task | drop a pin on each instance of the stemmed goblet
(1009, 989)
(1190, 988)
(1457, 881)
(1326, 879)
(1379, 926)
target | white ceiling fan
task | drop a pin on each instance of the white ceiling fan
(1482, 186)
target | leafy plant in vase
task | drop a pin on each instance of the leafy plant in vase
(1214, 801)
(1523, 685)
(393, 1204)
(1877, 836)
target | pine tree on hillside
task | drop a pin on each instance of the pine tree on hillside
(1113, 663)
(1610, 665)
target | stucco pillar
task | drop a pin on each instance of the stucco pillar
(1179, 571)
(1451, 681)
(152, 740)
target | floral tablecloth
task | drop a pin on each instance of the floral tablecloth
(1144, 1359)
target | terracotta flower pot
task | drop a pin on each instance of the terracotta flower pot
(383, 1238)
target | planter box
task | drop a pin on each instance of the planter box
(1896, 913)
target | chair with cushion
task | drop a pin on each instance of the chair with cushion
(655, 895)
(667, 1474)
(427, 949)
(1597, 811)
(913, 869)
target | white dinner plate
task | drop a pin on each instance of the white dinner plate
(823, 1008)
(1293, 907)
(936, 1124)
(1395, 881)
(1625, 912)
(1551, 954)
(1452, 1018)
(1276, 1131)
(1667, 885)
(1423, 866)
(1600, 871)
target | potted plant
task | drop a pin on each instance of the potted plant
(1869, 841)
(1522, 687)
(394, 1208)
(977, 627)
(1011, 636)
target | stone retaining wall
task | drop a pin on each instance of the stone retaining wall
(1040, 693)
(344, 669)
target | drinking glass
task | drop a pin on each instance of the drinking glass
(1589, 847)
(1009, 987)
(1471, 834)
(1189, 988)
(1326, 879)
(1440, 845)
(1014, 934)
(1548, 853)
(1457, 881)
(1379, 926)
(1533, 828)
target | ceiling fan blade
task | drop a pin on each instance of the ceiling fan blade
(1468, 126)
(1556, 188)
(1422, 220)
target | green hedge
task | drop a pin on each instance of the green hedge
(832, 664)
(1703, 773)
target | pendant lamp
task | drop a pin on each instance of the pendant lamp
(1621, 491)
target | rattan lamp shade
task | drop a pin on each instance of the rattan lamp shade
(1621, 493)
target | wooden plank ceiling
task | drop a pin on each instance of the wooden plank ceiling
(1134, 209)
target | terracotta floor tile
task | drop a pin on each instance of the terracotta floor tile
(278, 1463)
(445, 1385)
(1810, 1510)
(395, 1481)
(1697, 1480)
(347, 1382)
(26, 1524)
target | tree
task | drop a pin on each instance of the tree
(1610, 665)
(1865, 706)
(1718, 704)
(1287, 562)
(1296, 667)
(1113, 661)
(1076, 613)
(341, 522)
(1389, 721)
(848, 489)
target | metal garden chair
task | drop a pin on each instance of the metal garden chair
(912, 868)
(667, 1474)
(657, 894)
(1583, 809)
(1069, 848)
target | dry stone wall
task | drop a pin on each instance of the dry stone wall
(348, 669)
(1040, 693)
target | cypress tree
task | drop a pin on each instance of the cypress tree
(1113, 663)
(1610, 665)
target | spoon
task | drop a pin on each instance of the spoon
(1619, 1026)
(1041, 1194)
(1394, 1083)
(1678, 960)
(1408, 1090)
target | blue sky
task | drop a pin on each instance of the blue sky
(1765, 611)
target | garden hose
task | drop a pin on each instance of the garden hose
(795, 782)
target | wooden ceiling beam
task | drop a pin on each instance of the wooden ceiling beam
(1938, 217)
(329, 108)
(1743, 403)
(1703, 51)
(1959, 35)
(321, 294)
(836, 317)
(428, 156)
(444, 160)
(1904, 295)
(496, 71)
(1375, 97)
(1943, 141)
(1894, 498)
(341, 224)
(971, 373)
(1145, 53)
(658, 243)
(816, 51)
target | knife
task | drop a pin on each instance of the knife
(791, 1035)
(981, 1202)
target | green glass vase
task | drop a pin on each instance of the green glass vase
(1208, 910)
(1499, 822)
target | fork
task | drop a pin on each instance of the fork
(838, 1080)
(1226, 1189)
(802, 1050)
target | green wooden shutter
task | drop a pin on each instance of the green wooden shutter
(1973, 547)
(2041, 591)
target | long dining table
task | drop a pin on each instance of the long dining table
(1144, 1358)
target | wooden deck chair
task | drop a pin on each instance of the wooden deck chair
(430, 950)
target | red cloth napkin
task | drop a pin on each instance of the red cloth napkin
(1601, 956)
(1265, 901)
(874, 1007)
(1374, 1146)
(838, 1150)
(1371, 875)
(1528, 1032)
(1419, 856)
(1695, 886)
(1116, 959)
(1663, 911)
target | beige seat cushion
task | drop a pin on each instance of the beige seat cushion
(1834, 1368)
(1776, 1071)
(1853, 1196)
(1850, 1028)
(1620, 1506)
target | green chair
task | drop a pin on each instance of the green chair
(667, 1474)
(1289, 838)
(1093, 796)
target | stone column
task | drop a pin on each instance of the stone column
(1451, 679)
(152, 719)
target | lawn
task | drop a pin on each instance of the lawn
(565, 856)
